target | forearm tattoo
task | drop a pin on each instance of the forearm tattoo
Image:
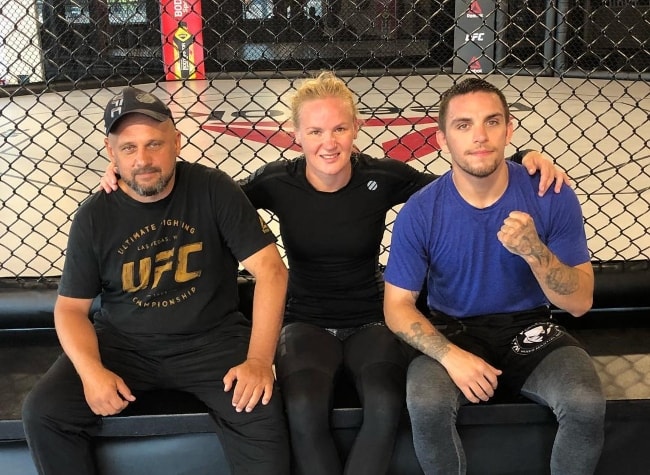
(434, 345)
(560, 278)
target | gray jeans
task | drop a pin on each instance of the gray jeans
(565, 380)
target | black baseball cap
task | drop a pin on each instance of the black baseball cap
(132, 100)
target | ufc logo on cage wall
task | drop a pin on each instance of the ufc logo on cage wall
(477, 37)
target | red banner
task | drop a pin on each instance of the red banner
(182, 36)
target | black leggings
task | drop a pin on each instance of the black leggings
(309, 359)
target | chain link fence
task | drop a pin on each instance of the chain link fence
(576, 75)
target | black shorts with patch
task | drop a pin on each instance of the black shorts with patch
(515, 343)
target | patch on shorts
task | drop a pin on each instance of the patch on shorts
(535, 337)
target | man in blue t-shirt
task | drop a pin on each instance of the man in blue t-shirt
(495, 256)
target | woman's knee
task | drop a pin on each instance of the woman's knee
(382, 382)
(307, 399)
(384, 406)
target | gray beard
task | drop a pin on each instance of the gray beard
(153, 190)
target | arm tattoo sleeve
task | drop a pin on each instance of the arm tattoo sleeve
(432, 344)
(559, 277)
(562, 279)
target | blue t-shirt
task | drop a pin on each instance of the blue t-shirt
(440, 237)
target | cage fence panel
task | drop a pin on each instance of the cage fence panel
(575, 75)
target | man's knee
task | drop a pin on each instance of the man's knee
(31, 411)
(429, 389)
(36, 408)
(567, 380)
(585, 404)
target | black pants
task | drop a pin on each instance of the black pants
(59, 424)
(513, 342)
(308, 362)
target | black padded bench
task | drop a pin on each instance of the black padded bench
(170, 432)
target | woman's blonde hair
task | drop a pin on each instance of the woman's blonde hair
(326, 84)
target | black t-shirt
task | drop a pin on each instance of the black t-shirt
(332, 240)
(169, 267)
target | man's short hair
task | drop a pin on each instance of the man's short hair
(468, 86)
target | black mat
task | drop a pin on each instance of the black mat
(22, 361)
(25, 356)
